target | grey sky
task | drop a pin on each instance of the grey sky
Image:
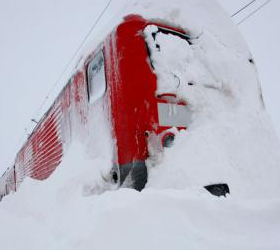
(39, 37)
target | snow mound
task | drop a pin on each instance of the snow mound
(39, 217)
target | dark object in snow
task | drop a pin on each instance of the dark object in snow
(251, 61)
(158, 47)
(115, 177)
(218, 189)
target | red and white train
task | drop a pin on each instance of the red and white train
(120, 72)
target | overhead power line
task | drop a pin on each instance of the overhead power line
(255, 11)
(243, 8)
(74, 55)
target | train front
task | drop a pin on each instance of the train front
(145, 113)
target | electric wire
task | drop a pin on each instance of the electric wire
(65, 68)
(255, 11)
(243, 8)
(74, 55)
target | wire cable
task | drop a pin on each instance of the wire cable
(255, 11)
(74, 55)
(243, 8)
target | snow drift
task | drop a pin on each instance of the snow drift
(230, 140)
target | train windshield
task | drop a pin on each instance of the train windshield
(169, 53)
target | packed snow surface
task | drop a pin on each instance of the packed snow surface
(60, 214)
(230, 140)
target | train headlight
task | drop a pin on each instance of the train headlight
(168, 140)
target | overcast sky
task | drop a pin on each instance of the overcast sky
(39, 37)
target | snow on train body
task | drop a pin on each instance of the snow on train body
(119, 72)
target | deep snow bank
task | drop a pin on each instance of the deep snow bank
(59, 214)
(230, 139)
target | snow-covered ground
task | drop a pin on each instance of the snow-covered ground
(58, 214)
(230, 140)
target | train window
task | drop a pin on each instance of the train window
(96, 77)
(169, 67)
